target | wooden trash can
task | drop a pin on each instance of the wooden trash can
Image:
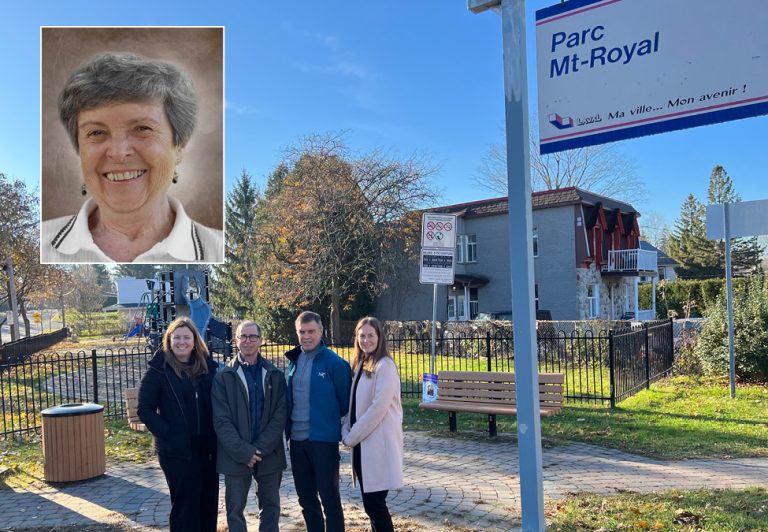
(73, 442)
(131, 396)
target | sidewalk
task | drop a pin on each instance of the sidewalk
(467, 484)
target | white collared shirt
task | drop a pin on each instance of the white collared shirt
(68, 240)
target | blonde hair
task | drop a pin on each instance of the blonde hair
(199, 351)
(369, 361)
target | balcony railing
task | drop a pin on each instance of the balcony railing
(631, 260)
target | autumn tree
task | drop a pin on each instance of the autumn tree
(336, 228)
(19, 246)
(601, 169)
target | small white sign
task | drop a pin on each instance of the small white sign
(436, 266)
(616, 69)
(429, 388)
(438, 230)
(746, 218)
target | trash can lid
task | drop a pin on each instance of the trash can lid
(72, 409)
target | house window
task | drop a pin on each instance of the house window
(456, 308)
(466, 248)
(535, 241)
(593, 301)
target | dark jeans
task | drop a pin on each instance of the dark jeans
(315, 468)
(268, 495)
(375, 502)
(194, 487)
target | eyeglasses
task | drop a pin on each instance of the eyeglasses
(248, 337)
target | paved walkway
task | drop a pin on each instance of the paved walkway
(449, 482)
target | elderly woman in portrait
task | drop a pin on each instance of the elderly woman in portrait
(129, 119)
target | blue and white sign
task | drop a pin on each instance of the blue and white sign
(610, 70)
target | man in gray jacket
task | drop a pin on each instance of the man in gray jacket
(250, 409)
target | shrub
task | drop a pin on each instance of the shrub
(750, 317)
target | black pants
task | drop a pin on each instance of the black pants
(194, 487)
(315, 468)
(375, 502)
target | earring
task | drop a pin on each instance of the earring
(175, 176)
(82, 190)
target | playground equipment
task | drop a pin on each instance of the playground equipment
(180, 292)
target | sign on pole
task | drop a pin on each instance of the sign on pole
(746, 218)
(437, 266)
(616, 69)
(734, 220)
(438, 231)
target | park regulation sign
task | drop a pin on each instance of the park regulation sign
(616, 69)
(438, 247)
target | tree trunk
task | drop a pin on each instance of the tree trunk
(335, 318)
(23, 312)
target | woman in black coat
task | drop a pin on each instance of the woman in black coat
(175, 405)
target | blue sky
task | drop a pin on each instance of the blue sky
(422, 76)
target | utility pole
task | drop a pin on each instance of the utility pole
(15, 332)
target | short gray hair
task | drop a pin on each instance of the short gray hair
(120, 77)
(246, 323)
(306, 317)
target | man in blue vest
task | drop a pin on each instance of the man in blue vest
(250, 410)
(319, 381)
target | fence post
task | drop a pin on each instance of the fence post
(488, 348)
(647, 359)
(671, 346)
(611, 368)
(95, 377)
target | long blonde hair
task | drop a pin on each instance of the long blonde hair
(361, 357)
(199, 351)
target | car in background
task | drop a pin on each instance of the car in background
(497, 315)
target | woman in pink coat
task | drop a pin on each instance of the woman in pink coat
(374, 426)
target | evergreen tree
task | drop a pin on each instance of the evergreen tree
(137, 271)
(688, 244)
(232, 293)
(746, 253)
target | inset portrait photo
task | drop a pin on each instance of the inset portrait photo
(132, 145)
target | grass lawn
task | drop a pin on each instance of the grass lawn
(677, 418)
(712, 510)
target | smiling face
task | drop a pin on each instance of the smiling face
(309, 334)
(367, 339)
(248, 341)
(182, 343)
(127, 155)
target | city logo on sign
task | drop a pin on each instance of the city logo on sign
(560, 122)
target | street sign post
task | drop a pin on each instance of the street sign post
(734, 220)
(436, 264)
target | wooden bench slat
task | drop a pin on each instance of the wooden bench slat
(492, 393)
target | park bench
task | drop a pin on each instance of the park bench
(131, 396)
(491, 393)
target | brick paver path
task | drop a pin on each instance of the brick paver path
(466, 483)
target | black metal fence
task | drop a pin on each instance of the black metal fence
(601, 367)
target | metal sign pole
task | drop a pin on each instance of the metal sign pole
(432, 361)
(729, 295)
(521, 257)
